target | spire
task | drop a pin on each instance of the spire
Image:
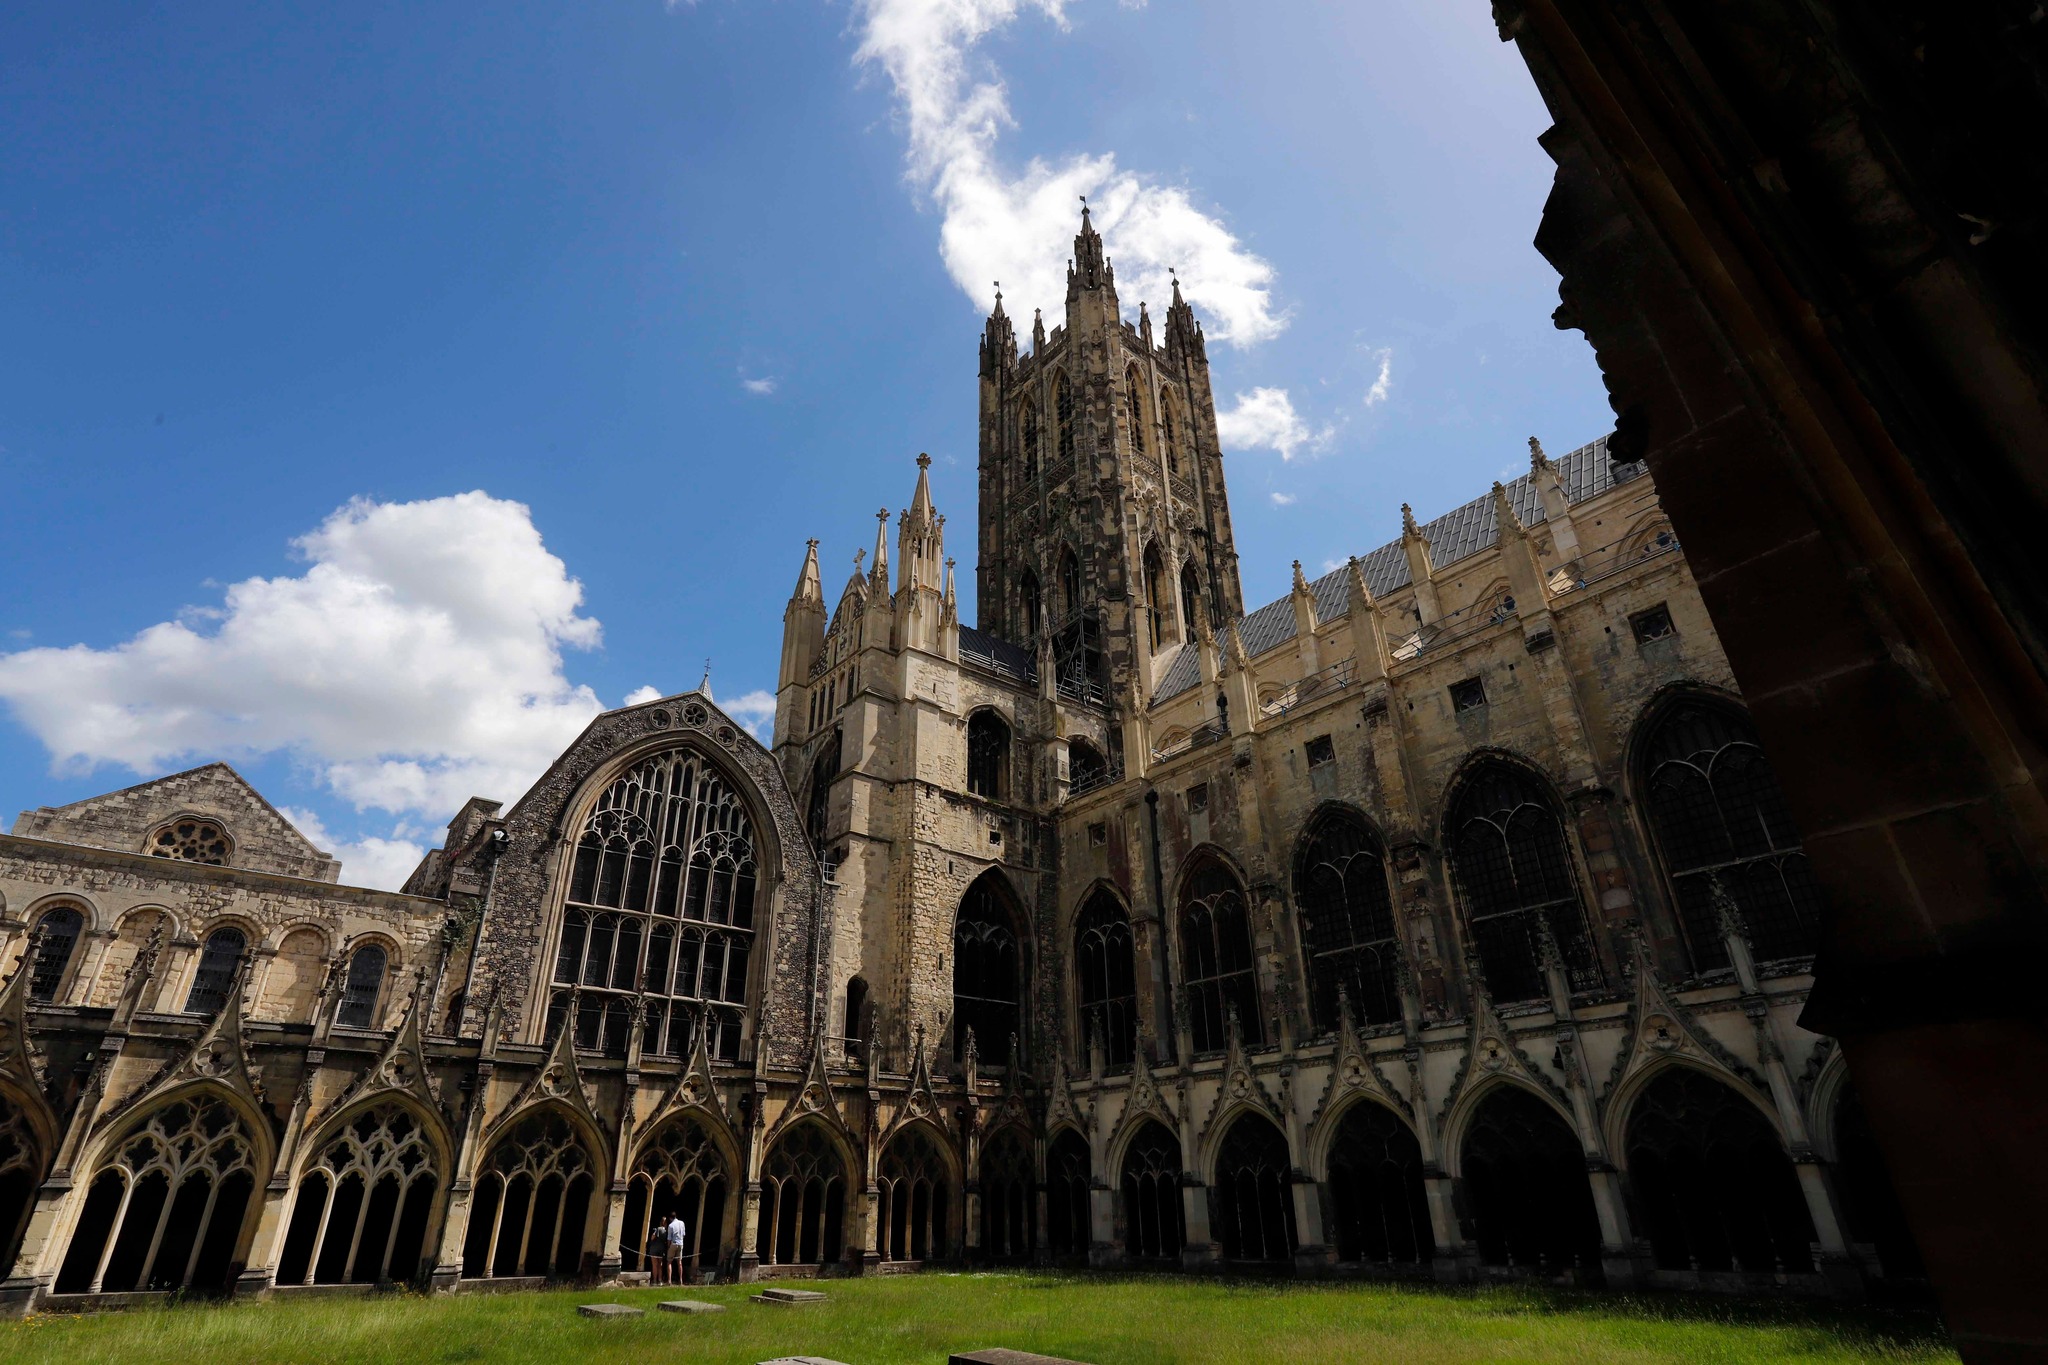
(878, 576)
(705, 686)
(1144, 325)
(1504, 512)
(1182, 332)
(1089, 268)
(1538, 461)
(1300, 580)
(921, 497)
(952, 597)
(810, 589)
(1037, 330)
(998, 339)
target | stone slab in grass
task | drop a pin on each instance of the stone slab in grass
(789, 1298)
(1003, 1355)
(800, 1360)
(608, 1310)
(689, 1306)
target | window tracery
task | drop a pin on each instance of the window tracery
(1216, 958)
(1508, 852)
(192, 840)
(680, 1171)
(1347, 922)
(360, 989)
(1009, 1197)
(531, 1203)
(1134, 385)
(1067, 1178)
(803, 1200)
(1722, 824)
(1154, 1226)
(661, 906)
(1063, 414)
(165, 1209)
(56, 939)
(1254, 1208)
(987, 970)
(1381, 1212)
(1030, 438)
(219, 960)
(360, 1214)
(21, 1169)
(1106, 978)
(913, 1180)
(1530, 1203)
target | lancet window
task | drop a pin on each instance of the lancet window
(988, 755)
(1157, 592)
(362, 986)
(1722, 826)
(913, 1180)
(165, 1210)
(1347, 922)
(1029, 433)
(1032, 601)
(680, 1172)
(1106, 978)
(1134, 384)
(1508, 851)
(1063, 415)
(1154, 1226)
(803, 1201)
(987, 970)
(1216, 957)
(218, 962)
(818, 805)
(56, 939)
(531, 1205)
(660, 902)
(1191, 597)
(360, 1215)
(1171, 430)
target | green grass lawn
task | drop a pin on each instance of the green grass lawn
(892, 1320)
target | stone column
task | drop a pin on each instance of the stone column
(1103, 1249)
(1312, 1251)
(1199, 1250)
(609, 1261)
(1438, 1191)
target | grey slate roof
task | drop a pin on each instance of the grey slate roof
(1458, 534)
(1000, 657)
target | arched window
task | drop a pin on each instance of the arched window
(359, 992)
(1379, 1210)
(192, 840)
(1253, 1207)
(218, 962)
(818, 805)
(1134, 385)
(912, 1210)
(1216, 957)
(1157, 591)
(1172, 431)
(660, 905)
(1191, 598)
(1528, 1198)
(1070, 581)
(1066, 1195)
(1032, 602)
(1347, 921)
(165, 1210)
(1009, 1197)
(803, 1200)
(1087, 769)
(1105, 977)
(1721, 820)
(531, 1207)
(360, 1215)
(291, 985)
(1713, 1181)
(1028, 429)
(56, 939)
(987, 969)
(1063, 414)
(856, 1023)
(988, 755)
(1153, 1224)
(21, 1170)
(1508, 851)
(680, 1171)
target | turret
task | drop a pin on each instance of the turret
(1090, 268)
(1518, 560)
(803, 640)
(1307, 654)
(1557, 508)
(920, 571)
(1415, 546)
(1368, 637)
(998, 341)
(1183, 333)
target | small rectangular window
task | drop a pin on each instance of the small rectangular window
(1654, 624)
(1198, 798)
(1320, 751)
(1098, 834)
(1468, 695)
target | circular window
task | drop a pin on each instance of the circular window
(191, 841)
(694, 714)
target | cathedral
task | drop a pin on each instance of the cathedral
(1441, 919)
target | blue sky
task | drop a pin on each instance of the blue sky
(388, 387)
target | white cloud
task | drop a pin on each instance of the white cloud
(1377, 394)
(416, 662)
(760, 388)
(754, 710)
(1001, 226)
(1265, 418)
(643, 693)
(1282, 499)
(371, 861)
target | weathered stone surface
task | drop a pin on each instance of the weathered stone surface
(689, 1306)
(800, 1360)
(789, 1297)
(609, 1310)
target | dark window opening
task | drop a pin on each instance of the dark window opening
(988, 970)
(1153, 1218)
(218, 961)
(1654, 624)
(1320, 750)
(1347, 923)
(988, 755)
(1252, 1202)
(1198, 798)
(1106, 979)
(1098, 834)
(1528, 1200)
(1509, 857)
(1087, 769)
(359, 991)
(1216, 958)
(56, 939)
(1030, 434)
(856, 1023)
(1468, 695)
(1032, 603)
(818, 809)
(1191, 598)
(1063, 415)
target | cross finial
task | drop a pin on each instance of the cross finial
(882, 515)
(924, 461)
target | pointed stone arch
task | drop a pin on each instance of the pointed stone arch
(992, 967)
(1251, 1199)
(368, 1194)
(684, 1163)
(1217, 969)
(807, 1178)
(538, 1193)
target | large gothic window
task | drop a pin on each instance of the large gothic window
(680, 1171)
(1070, 581)
(912, 1181)
(1134, 385)
(818, 804)
(1009, 1197)
(1347, 921)
(988, 969)
(1158, 590)
(218, 962)
(360, 1215)
(1253, 1206)
(1508, 850)
(360, 990)
(1154, 1228)
(988, 755)
(1191, 598)
(1063, 414)
(1721, 822)
(1029, 432)
(1713, 1181)
(1106, 981)
(531, 1206)
(1171, 429)
(56, 939)
(164, 1211)
(803, 1200)
(1066, 1195)
(1527, 1199)
(1216, 957)
(1032, 601)
(1379, 1212)
(661, 905)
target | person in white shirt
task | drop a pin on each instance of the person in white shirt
(675, 1248)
